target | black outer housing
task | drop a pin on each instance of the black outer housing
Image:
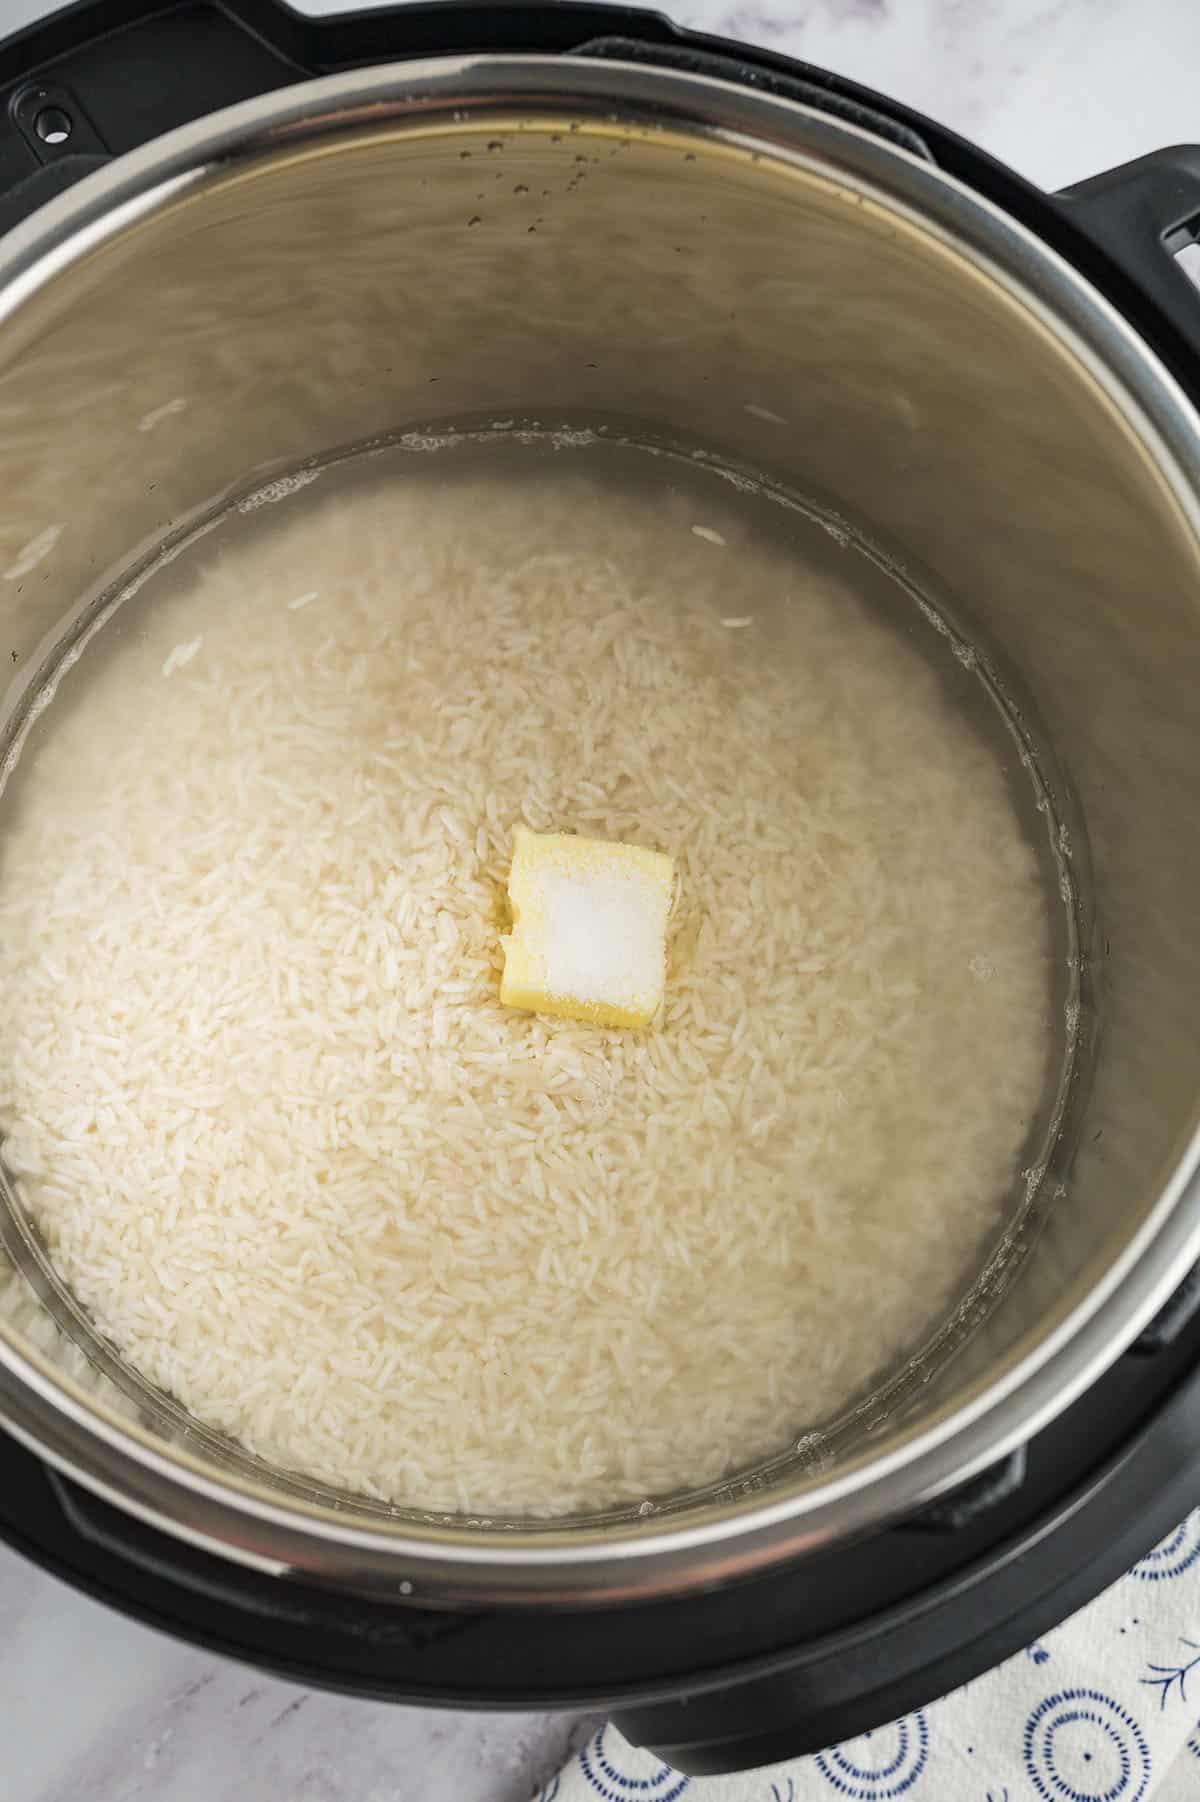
(799, 1658)
(836, 1643)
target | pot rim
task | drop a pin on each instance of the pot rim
(121, 1462)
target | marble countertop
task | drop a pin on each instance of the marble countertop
(95, 1709)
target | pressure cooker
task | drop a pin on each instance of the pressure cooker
(279, 216)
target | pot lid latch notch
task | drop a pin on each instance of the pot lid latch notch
(60, 141)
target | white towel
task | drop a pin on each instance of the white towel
(1103, 1709)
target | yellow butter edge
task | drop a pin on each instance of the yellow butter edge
(588, 1013)
(656, 864)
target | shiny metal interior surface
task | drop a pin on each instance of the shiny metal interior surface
(557, 240)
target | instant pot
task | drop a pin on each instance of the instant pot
(322, 233)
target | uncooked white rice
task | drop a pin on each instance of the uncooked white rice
(261, 1097)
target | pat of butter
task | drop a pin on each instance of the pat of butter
(589, 933)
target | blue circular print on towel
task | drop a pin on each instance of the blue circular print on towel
(878, 1765)
(1081, 1747)
(1177, 1553)
(603, 1773)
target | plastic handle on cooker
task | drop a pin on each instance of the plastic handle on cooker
(299, 1605)
(1139, 216)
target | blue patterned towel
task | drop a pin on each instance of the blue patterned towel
(1098, 1711)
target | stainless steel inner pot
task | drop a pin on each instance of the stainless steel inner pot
(315, 270)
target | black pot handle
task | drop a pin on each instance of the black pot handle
(294, 1604)
(1138, 217)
